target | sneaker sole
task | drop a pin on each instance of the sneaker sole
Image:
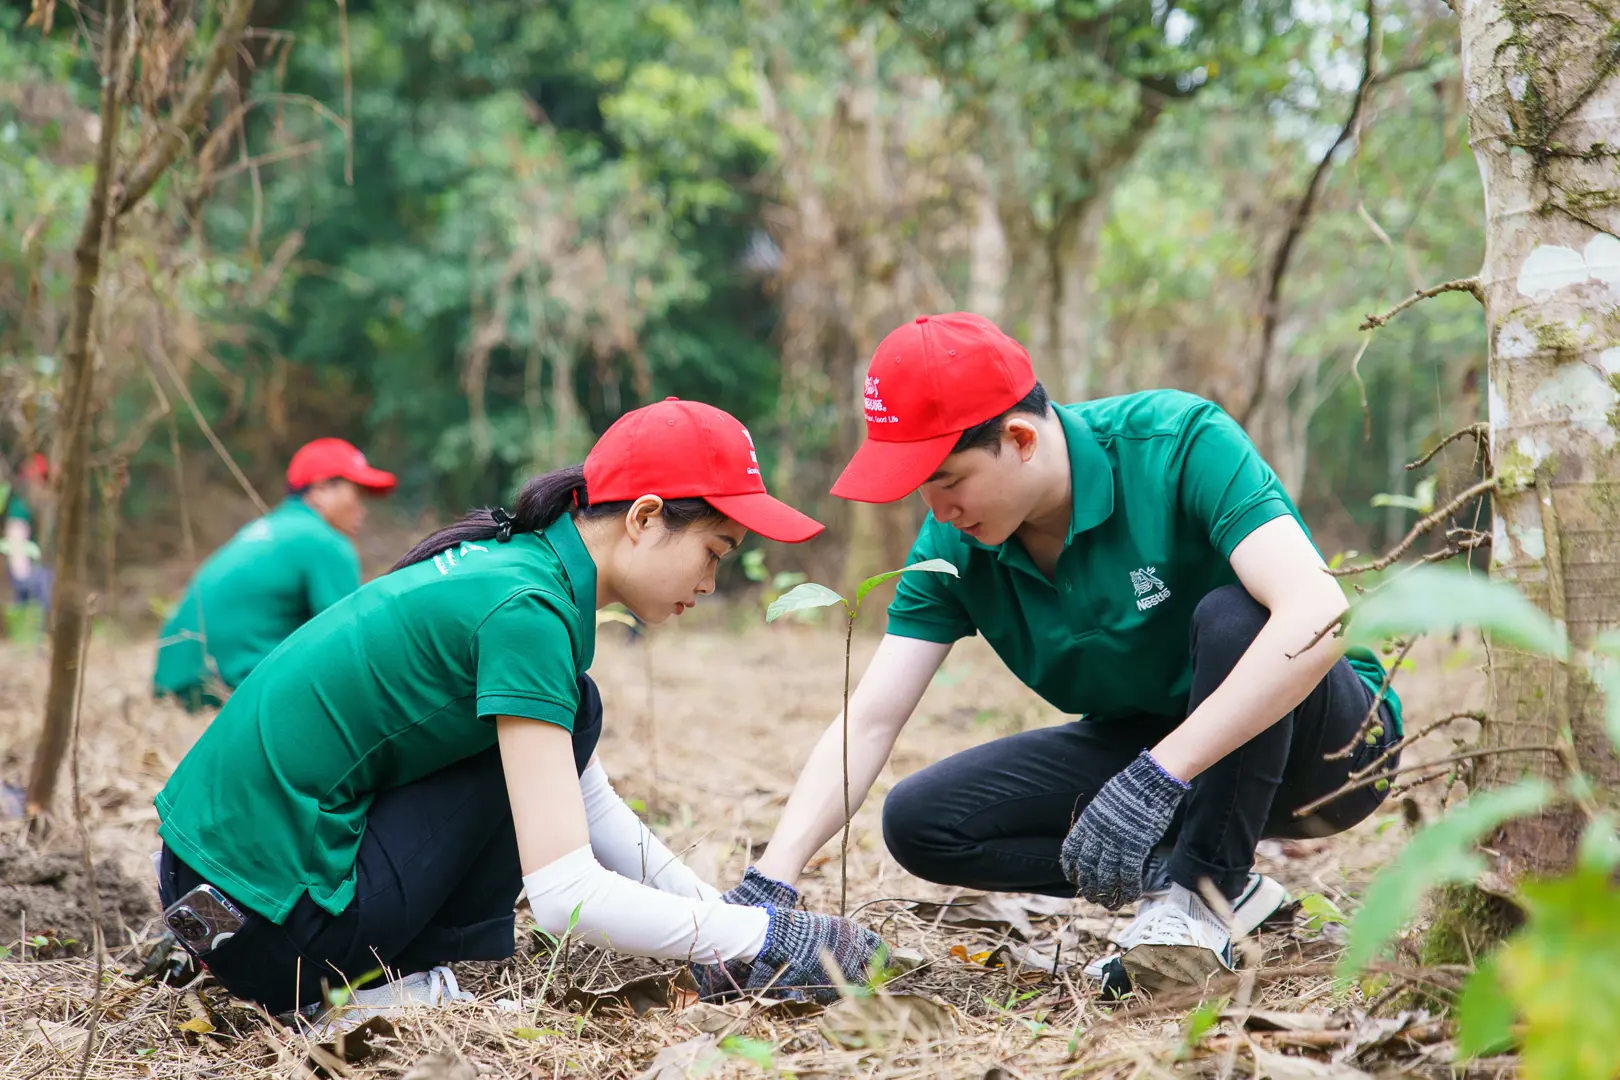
(1155, 968)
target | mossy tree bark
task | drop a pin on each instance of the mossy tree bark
(1543, 93)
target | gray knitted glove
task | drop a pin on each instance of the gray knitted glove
(1106, 852)
(790, 963)
(757, 890)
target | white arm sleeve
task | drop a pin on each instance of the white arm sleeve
(617, 913)
(626, 846)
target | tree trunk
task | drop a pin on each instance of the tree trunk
(71, 617)
(109, 201)
(1544, 112)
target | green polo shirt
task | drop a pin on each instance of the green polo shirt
(272, 577)
(13, 506)
(1165, 485)
(398, 680)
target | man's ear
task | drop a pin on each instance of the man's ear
(639, 519)
(1022, 435)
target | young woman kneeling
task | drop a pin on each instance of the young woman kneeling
(378, 790)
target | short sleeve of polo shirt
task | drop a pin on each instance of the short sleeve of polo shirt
(924, 606)
(1226, 487)
(524, 657)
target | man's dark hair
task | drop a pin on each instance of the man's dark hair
(987, 435)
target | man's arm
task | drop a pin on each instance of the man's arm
(1278, 566)
(880, 706)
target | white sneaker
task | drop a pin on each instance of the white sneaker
(1261, 898)
(433, 988)
(1180, 940)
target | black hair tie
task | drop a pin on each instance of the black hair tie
(503, 524)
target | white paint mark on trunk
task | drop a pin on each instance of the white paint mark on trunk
(1549, 268)
(1603, 261)
(1577, 395)
(1534, 543)
(1515, 342)
(1609, 361)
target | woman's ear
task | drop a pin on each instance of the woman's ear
(640, 518)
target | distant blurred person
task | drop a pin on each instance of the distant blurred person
(272, 577)
(30, 578)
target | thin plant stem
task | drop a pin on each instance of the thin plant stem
(843, 853)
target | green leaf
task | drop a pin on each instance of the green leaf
(1606, 673)
(534, 1033)
(1200, 1022)
(802, 598)
(1599, 849)
(1320, 911)
(1405, 502)
(1485, 1014)
(758, 1051)
(931, 566)
(1439, 854)
(1562, 971)
(1438, 600)
(5, 951)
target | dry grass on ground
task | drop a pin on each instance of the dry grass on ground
(711, 747)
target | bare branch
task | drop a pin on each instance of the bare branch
(1467, 285)
(1419, 529)
(1368, 781)
(1372, 710)
(1302, 214)
(176, 130)
(1477, 432)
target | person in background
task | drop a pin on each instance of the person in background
(30, 578)
(379, 791)
(1135, 562)
(272, 577)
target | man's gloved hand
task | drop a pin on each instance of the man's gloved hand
(757, 890)
(1107, 849)
(790, 964)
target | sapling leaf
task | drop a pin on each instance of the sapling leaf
(1485, 1013)
(802, 598)
(1606, 673)
(1599, 849)
(1440, 854)
(932, 566)
(1438, 600)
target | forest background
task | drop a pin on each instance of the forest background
(466, 237)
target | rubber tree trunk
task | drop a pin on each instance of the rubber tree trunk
(70, 620)
(1544, 112)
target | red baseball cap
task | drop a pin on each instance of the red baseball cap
(334, 459)
(928, 382)
(37, 468)
(685, 449)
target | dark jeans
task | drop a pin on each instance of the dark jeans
(993, 817)
(437, 876)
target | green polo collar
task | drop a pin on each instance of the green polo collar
(1091, 489)
(563, 535)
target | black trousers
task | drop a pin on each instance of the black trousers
(993, 817)
(437, 876)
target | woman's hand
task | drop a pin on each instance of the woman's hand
(791, 963)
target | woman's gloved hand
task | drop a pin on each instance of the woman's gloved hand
(791, 964)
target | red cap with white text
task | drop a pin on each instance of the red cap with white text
(928, 382)
(685, 449)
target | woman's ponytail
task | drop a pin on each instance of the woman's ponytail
(543, 500)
